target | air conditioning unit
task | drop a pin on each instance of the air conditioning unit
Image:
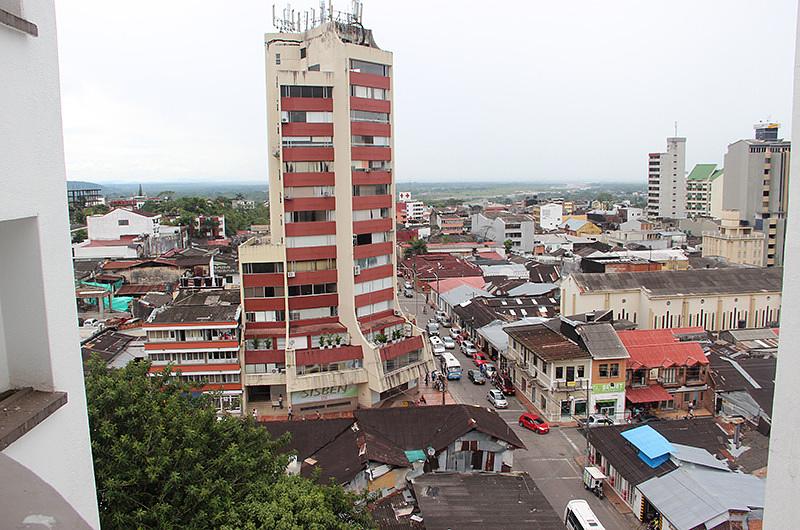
(398, 313)
(356, 270)
(284, 120)
(290, 274)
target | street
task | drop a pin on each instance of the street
(550, 459)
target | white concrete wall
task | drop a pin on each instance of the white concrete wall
(38, 333)
(551, 215)
(783, 480)
(107, 226)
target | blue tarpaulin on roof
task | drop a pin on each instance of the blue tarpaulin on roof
(119, 303)
(415, 455)
(653, 448)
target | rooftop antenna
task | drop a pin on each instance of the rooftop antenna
(676, 129)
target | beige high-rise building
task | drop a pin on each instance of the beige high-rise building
(757, 184)
(734, 241)
(323, 329)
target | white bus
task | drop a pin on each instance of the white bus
(450, 366)
(578, 516)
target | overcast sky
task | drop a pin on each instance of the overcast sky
(532, 90)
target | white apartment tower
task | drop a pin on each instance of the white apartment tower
(323, 329)
(666, 181)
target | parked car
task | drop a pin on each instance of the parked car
(455, 333)
(438, 349)
(91, 322)
(497, 399)
(449, 343)
(504, 384)
(433, 328)
(408, 293)
(597, 419)
(476, 377)
(468, 348)
(647, 418)
(534, 422)
(479, 359)
(488, 369)
(408, 285)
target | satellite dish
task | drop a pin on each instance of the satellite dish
(431, 451)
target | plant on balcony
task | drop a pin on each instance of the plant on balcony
(397, 335)
(380, 338)
(337, 339)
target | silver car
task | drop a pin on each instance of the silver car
(449, 343)
(497, 399)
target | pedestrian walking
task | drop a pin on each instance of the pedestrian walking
(319, 416)
(290, 413)
(280, 401)
(426, 378)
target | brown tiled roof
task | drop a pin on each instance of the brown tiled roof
(547, 343)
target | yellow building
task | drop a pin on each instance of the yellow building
(734, 242)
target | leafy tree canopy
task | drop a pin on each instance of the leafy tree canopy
(163, 459)
(183, 210)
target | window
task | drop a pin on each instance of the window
(302, 116)
(559, 372)
(363, 115)
(307, 167)
(366, 67)
(123, 222)
(259, 268)
(193, 357)
(581, 371)
(309, 216)
(223, 356)
(306, 290)
(302, 53)
(307, 141)
(263, 292)
(369, 92)
(277, 58)
(693, 373)
(603, 370)
(371, 165)
(294, 91)
(401, 362)
(381, 141)
(668, 375)
(159, 335)
(614, 371)
(310, 266)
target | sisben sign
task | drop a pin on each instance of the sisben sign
(328, 393)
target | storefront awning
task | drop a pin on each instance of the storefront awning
(648, 394)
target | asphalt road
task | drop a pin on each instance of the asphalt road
(549, 458)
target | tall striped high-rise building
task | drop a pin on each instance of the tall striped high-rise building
(323, 329)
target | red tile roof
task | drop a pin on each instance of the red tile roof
(648, 394)
(138, 288)
(662, 348)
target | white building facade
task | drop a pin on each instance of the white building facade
(666, 181)
(47, 467)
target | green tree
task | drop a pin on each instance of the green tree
(508, 244)
(163, 459)
(416, 246)
(80, 236)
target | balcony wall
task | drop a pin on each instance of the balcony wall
(392, 351)
(363, 128)
(372, 226)
(313, 301)
(365, 153)
(374, 297)
(308, 179)
(374, 273)
(328, 355)
(303, 204)
(360, 178)
(369, 202)
(307, 129)
(310, 253)
(307, 154)
(375, 249)
(310, 229)
(370, 80)
(191, 345)
(307, 104)
(328, 379)
(263, 280)
(312, 277)
(264, 379)
(264, 304)
(371, 105)
(264, 356)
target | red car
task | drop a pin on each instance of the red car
(534, 423)
(479, 359)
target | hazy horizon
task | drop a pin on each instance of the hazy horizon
(573, 92)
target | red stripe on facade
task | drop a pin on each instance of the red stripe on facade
(372, 225)
(371, 105)
(310, 154)
(370, 153)
(313, 301)
(305, 278)
(307, 104)
(364, 128)
(310, 253)
(262, 280)
(324, 356)
(393, 351)
(369, 202)
(373, 298)
(370, 80)
(303, 204)
(374, 273)
(307, 129)
(311, 229)
(375, 249)
(264, 304)
(308, 179)
(373, 177)
(264, 356)
(190, 345)
(267, 328)
(191, 368)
